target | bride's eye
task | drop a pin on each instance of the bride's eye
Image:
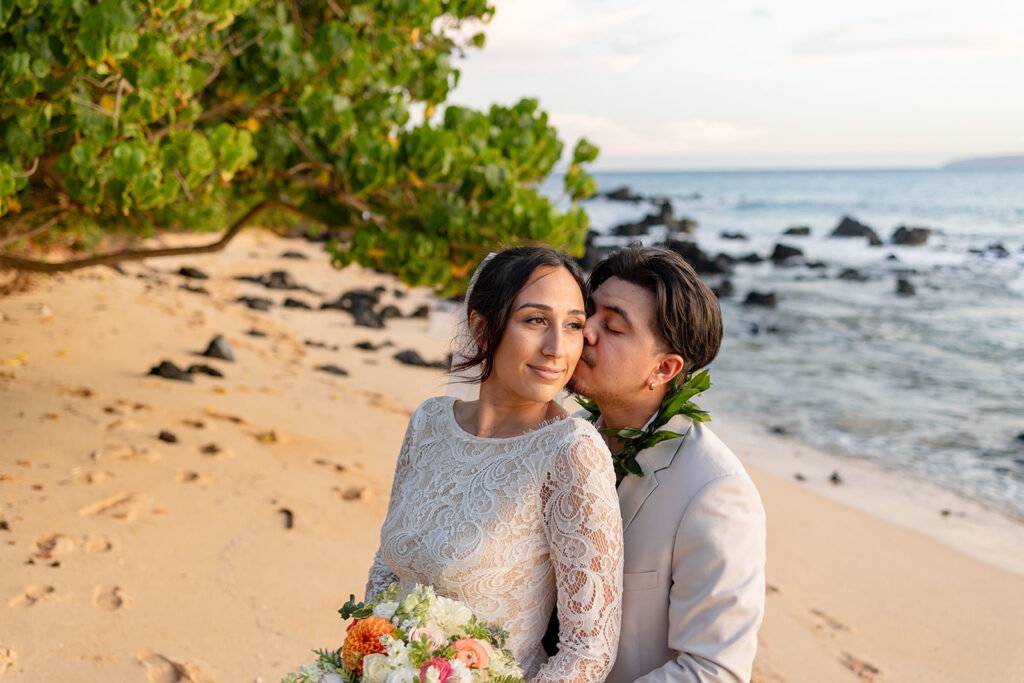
(575, 324)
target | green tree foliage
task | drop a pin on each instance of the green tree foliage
(133, 117)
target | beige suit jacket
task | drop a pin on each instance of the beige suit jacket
(693, 581)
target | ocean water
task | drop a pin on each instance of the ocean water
(930, 384)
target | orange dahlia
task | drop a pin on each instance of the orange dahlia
(364, 639)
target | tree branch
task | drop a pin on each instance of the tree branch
(45, 225)
(137, 254)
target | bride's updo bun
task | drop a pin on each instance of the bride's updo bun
(497, 282)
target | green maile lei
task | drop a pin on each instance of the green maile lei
(676, 402)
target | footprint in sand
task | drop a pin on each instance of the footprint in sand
(190, 477)
(8, 659)
(109, 598)
(32, 595)
(824, 621)
(160, 669)
(49, 545)
(119, 452)
(864, 670)
(119, 506)
(91, 476)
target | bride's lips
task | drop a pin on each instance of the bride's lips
(549, 374)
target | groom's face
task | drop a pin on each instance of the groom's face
(622, 350)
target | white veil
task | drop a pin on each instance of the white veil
(462, 384)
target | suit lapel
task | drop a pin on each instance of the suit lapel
(634, 490)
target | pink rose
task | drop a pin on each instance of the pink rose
(444, 669)
(434, 636)
(472, 652)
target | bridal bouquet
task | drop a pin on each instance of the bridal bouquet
(423, 638)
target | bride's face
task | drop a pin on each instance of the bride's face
(543, 338)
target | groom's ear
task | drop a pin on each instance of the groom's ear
(477, 327)
(670, 365)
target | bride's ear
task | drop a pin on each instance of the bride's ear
(477, 326)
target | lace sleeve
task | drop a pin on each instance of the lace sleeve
(584, 529)
(380, 575)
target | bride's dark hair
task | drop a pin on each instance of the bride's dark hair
(493, 293)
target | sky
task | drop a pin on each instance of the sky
(677, 84)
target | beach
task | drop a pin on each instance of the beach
(221, 551)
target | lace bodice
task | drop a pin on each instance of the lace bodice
(508, 526)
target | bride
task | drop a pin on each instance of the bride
(507, 502)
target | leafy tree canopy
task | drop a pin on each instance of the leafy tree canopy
(132, 117)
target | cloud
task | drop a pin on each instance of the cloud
(570, 33)
(669, 139)
(912, 35)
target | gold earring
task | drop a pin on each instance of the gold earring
(651, 386)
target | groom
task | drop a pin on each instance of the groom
(693, 524)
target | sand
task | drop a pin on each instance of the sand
(224, 555)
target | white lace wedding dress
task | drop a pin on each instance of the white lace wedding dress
(507, 525)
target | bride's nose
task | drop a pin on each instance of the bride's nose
(554, 342)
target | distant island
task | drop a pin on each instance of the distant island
(1002, 163)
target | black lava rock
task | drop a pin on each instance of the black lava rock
(911, 237)
(195, 290)
(998, 250)
(732, 236)
(320, 345)
(784, 252)
(699, 260)
(724, 290)
(333, 370)
(421, 312)
(365, 317)
(411, 357)
(295, 303)
(167, 437)
(204, 370)
(277, 279)
(390, 312)
(193, 273)
(852, 274)
(219, 348)
(169, 370)
(848, 227)
(752, 257)
(904, 287)
(835, 478)
(256, 333)
(798, 230)
(294, 255)
(630, 229)
(623, 194)
(255, 303)
(766, 299)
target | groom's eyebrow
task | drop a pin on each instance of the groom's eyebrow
(619, 312)
(545, 307)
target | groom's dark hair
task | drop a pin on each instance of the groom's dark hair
(687, 318)
(494, 290)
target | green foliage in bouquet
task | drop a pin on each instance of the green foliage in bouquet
(135, 117)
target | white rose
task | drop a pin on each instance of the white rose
(397, 652)
(376, 668)
(460, 673)
(332, 677)
(432, 676)
(405, 674)
(385, 610)
(450, 615)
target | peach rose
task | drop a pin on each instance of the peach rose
(363, 639)
(472, 652)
